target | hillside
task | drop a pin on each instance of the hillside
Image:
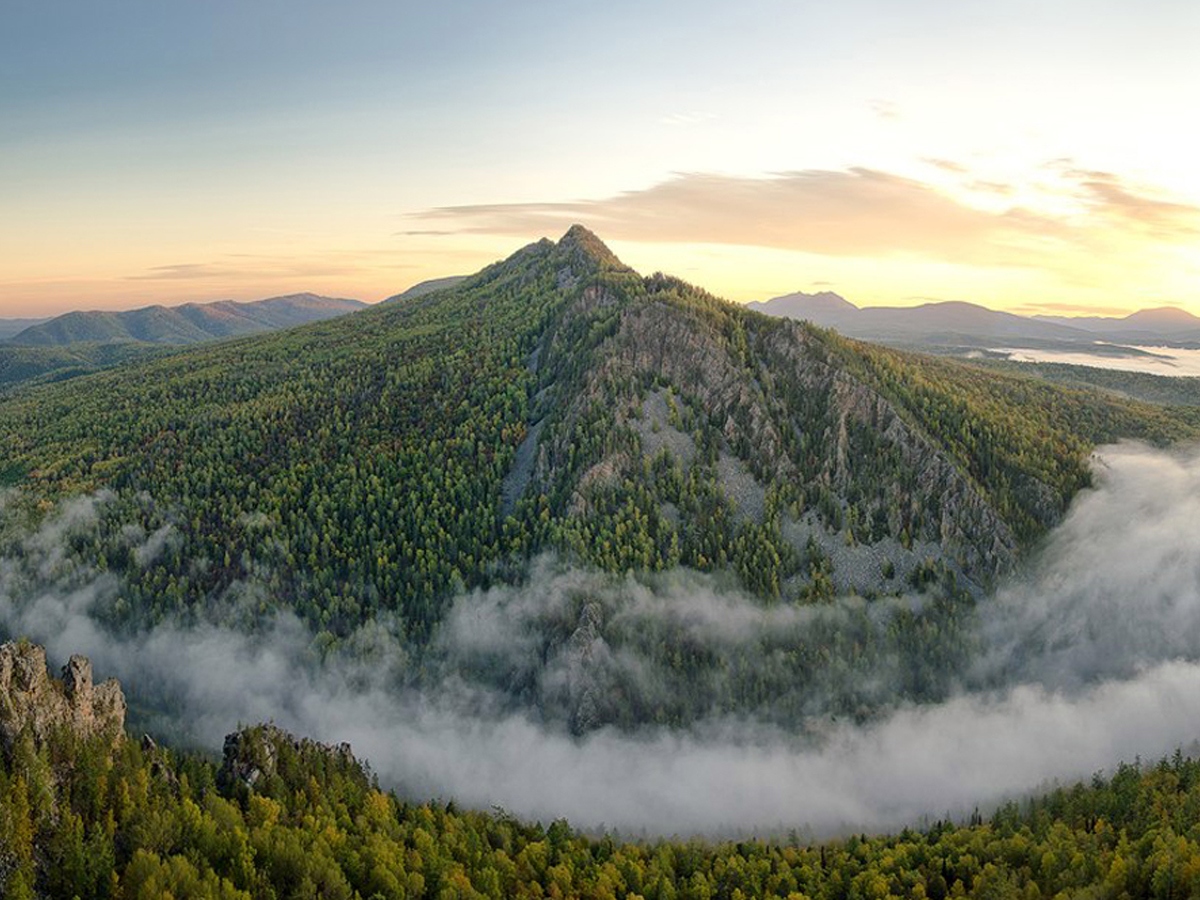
(187, 324)
(427, 287)
(560, 400)
(22, 364)
(373, 468)
(279, 816)
(9, 327)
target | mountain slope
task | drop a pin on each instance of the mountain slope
(187, 324)
(10, 327)
(557, 400)
(22, 364)
(427, 287)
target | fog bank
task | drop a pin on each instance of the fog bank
(1091, 658)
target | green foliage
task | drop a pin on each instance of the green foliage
(1026, 442)
(1167, 390)
(347, 467)
(150, 823)
(362, 465)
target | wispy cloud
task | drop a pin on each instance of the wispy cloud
(884, 109)
(238, 266)
(183, 271)
(854, 212)
(946, 165)
(1111, 196)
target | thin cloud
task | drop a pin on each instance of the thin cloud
(1115, 198)
(946, 165)
(884, 109)
(854, 212)
(687, 118)
(251, 267)
(992, 187)
(183, 271)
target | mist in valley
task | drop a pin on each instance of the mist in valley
(1088, 657)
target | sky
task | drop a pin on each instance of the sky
(1029, 156)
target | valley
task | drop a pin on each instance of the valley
(578, 542)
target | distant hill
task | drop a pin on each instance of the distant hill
(949, 322)
(22, 364)
(9, 327)
(428, 287)
(187, 324)
(953, 324)
(1163, 324)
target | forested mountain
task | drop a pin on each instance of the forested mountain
(557, 400)
(187, 324)
(88, 812)
(368, 472)
(30, 363)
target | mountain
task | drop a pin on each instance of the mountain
(542, 505)
(187, 324)
(931, 324)
(426, 287)
(1165, 325)
(558, 401)
(23, 364)
(824, 307)
(9, 327)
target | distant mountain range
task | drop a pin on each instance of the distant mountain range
(954, 323)
(187, 324)
(78, 343)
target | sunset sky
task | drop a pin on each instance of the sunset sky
(1036, 157)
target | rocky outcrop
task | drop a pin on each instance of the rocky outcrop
(256, 756)
(30, 698)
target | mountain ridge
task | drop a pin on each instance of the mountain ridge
(184, 324)
(951, 322)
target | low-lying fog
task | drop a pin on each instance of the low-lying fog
(1091, 657)
(1170, 361)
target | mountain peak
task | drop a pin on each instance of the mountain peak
(1162, 315)
(813, 307)
(579, 240)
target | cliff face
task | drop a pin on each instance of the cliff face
(768, 411)
(30, 697)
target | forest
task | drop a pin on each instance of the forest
(365, 465)
(81, 818)
(555, 416)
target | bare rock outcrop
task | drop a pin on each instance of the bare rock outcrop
(256, 756)
(31, 698)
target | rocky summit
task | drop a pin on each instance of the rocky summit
(31, 699)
